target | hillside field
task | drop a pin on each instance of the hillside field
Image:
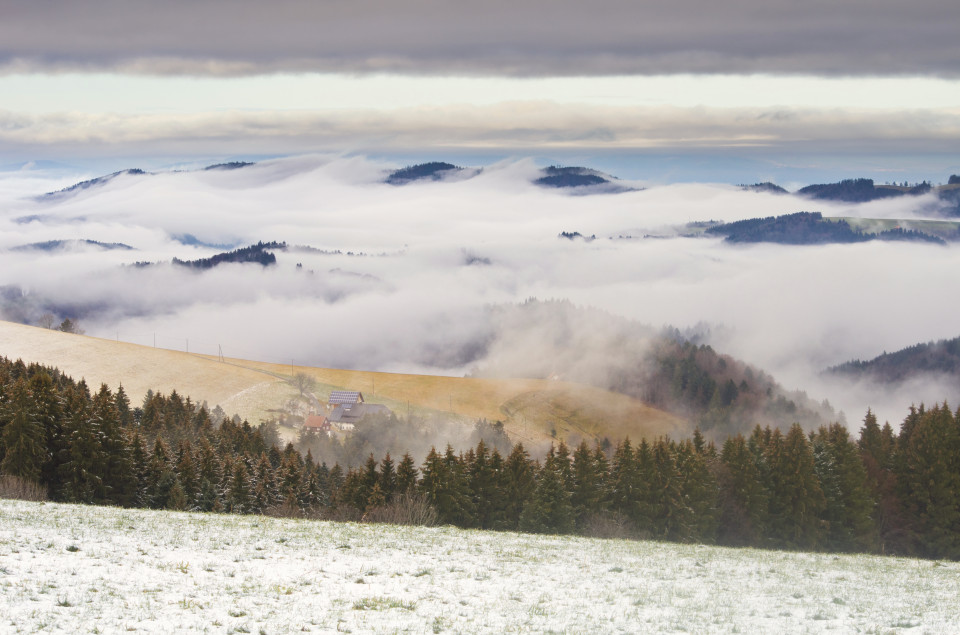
(66, 568)
(529, 408)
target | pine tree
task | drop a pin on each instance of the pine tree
(549, 509)
(797, 500)
(587, 496)
(624, 482)
(670, 517)
(406, 474)
(484, 490)
(83, 461)
(848, 502)
(118, 482)
(265, 492)
(23, 438)
(160, 476)
(238, 494)
(745, 496)
(176, 498)
(931, 477)
(700, 491)
(49, 414)
(387, 478)
(517, 485)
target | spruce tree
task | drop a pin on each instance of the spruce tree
(549, 510)
(50, 417)
(406, 474)
(624, 482)
(484, 492)
(118, 482)
(83, 461)
(238, 495)
(931, 478)
(387, 478)
(517, 484)
(670, 516)
(744, 512)
(849, 505)
(797, 499)
(587, 495)
(23, 438)
(700, 491)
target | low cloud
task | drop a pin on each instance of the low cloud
(389, 284)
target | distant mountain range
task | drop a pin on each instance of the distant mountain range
(584, 180)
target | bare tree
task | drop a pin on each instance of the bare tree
(304, 383)
(46, 321)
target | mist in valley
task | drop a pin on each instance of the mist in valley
(421, 277)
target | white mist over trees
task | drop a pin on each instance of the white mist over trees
(399, 278)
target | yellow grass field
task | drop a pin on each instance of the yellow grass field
(531, 409)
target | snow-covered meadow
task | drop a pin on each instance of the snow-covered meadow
(66, 568)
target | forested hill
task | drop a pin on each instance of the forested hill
(432, 171)
(886, 493)
(665, 368)
(810, 228)
(940, 358)
(857, 191)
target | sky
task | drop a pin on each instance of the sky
(781, 90)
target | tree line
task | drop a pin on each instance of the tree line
(885, 492)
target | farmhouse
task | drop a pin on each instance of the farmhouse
(319, 423)
(345, 416)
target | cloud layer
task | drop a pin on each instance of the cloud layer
(555, 37)
(400, 277)
(510, 127)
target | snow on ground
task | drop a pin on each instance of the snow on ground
(66, 568)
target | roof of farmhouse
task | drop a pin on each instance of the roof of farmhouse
(345, 396)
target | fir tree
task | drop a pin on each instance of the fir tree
(670, 516)
(744, 515)
(484, 491)
(517, 485)
(587, 495)
(848, 502)
(387, 478)
(23, 438)
(549, 509)
(83, 461)
(238, 494)
(406, 474)
(931, 477)
(797, 499)
(700, 490)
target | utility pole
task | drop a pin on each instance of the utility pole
(188, 344)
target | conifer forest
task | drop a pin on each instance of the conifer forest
(872, 491)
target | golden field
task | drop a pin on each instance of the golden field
(530, 409)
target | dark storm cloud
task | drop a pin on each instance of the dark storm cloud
(864, 37)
